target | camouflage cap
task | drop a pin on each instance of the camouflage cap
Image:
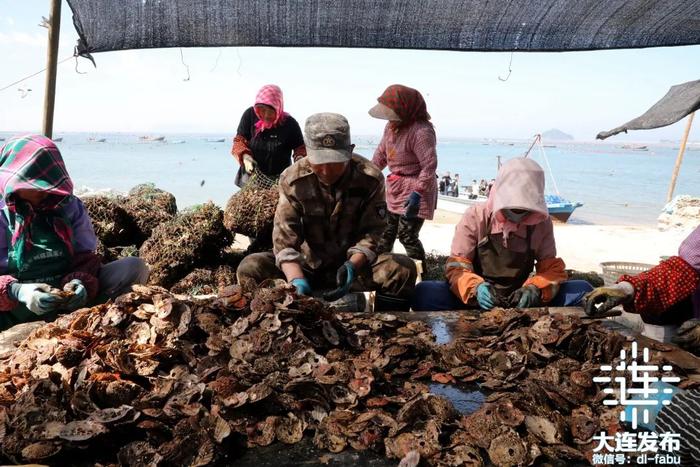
(327, 138)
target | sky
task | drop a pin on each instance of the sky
(147, 91)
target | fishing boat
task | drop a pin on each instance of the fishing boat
(152, 138)
(559, 208)
(635, 147)
(96, 140)
(215, 140)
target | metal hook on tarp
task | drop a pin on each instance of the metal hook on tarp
(80, 50)
(510, 69)
(187, 67)
(216, 63)
(76, 66)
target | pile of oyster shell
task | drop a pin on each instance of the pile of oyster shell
(162, 379)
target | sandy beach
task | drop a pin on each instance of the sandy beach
(582, 247)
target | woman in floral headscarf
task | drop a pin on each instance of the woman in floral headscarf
(267, 136)
(408, 149)
(47, 244)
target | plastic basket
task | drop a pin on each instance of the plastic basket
(612, 270)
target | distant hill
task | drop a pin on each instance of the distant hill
(558, 135)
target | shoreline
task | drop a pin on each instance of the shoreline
(582, 246)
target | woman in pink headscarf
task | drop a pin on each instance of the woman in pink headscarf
(496, 246)
(267, 136)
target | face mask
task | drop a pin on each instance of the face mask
(513, 216)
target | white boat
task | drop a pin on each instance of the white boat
(96, 140)
(559, 208)
(216, 140)
(152, 138)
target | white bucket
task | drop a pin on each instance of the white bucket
(369, 302)
(419, 270)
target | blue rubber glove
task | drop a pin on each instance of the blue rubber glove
(80, 298)
(665, 393)
(302, 285)
(412, 205)
(344, 278)
(36, 297)
(484, 296)
(527, 297)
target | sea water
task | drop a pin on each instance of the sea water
(616, 185)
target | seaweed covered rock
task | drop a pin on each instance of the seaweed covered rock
(149, 207)
(251, 211)
(205, 281)
(193, 238)
(592, 277)
(434, 267)
(102, 251)
(112, 224)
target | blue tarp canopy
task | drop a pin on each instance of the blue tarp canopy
(482, 25)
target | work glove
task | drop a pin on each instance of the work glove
(36, 297)
(526, 297)
(665, 393)
(249, 163)
(302, 285)
(688, 336)
(603, 299)
(343, 278)
(484, 296)
(412, 205)
(80, 295)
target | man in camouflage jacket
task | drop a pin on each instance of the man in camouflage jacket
(329, 221)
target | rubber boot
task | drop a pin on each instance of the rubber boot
(388, 303)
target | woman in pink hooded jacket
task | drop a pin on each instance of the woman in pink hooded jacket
(496, 246)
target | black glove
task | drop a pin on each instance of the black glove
(603, 299)
(526, 297)
(688, 336)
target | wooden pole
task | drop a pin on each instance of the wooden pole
(51, 65)
(679, 158)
